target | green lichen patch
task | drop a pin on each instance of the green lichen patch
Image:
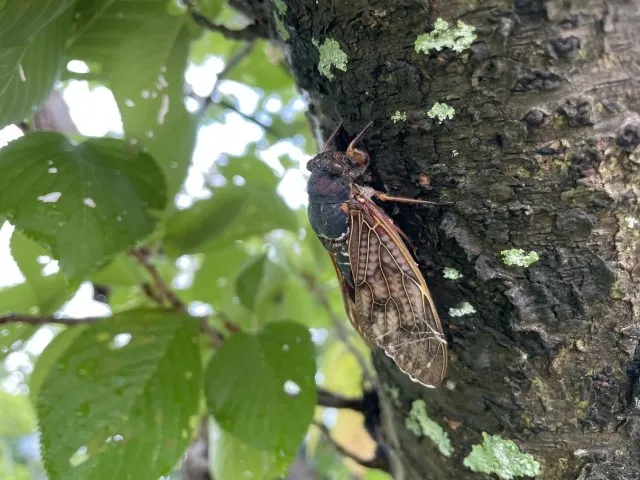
(394, 394)
(451, 273)
(420, 424)
(280, 6)
(282, 31)
(516, 256)
(399, 116)
(443, 36)
(502, 457)
(330, 55)
(441, 111)
(465, 308)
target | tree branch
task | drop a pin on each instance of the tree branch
(38, 320)
(332, 400)
(228, 68)
(251, 32)
(380, 462)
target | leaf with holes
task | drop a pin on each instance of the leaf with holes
(147, 78)
(85, 202)
(119, 401)
(271, 407)
(28, 71)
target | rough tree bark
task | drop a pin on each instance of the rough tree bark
(542, 154)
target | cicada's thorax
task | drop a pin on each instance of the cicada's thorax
(329, 219)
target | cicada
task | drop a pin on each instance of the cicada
(385, 295)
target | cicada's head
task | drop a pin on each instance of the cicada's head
(351, 163)
(336, 164)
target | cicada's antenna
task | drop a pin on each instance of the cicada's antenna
(360, 157)
(332, 138)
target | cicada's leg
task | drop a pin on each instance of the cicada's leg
(360, 157)
(389, 198)
(330, 140)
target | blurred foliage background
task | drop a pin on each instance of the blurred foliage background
(170, 228)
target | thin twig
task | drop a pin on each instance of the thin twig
(233, 62)
(332, 400)
(228, 68)
(267, 128)
(161, 286)
(163, 292)
(338, 326)
(378, 462)
(250, 32)
(216, 338)
(43, 320)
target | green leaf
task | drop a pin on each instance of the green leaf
(252, 170)
(100, 27)
(121, 270)
(130, 404)
(49, 357)
(16, 416)
(19, 20)
(148, 83)
(18, 298)
(29, 71)
(230, 458)
(502, 457)
(300, 305)
(210, 8)
(377, 475)
(172, 147)
(50, 291)
(215, 280)
(261, 387)
(249, 281)
(212, 43)
(12, 337)
(265, 68)
(232, 213)
(103, 192)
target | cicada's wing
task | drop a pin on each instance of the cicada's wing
(348, 296)
(392, 300)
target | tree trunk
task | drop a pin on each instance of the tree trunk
(541, 155)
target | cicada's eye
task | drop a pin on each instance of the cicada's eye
(336, 168)
(311, 164)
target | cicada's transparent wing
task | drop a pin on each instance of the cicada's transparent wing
(392, 301)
